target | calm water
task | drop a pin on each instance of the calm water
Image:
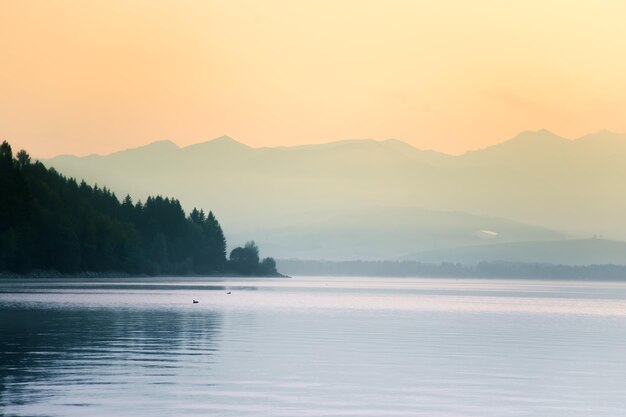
(313, 347)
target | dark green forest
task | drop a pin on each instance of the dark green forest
(52, 223)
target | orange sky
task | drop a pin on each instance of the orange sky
(97, 76)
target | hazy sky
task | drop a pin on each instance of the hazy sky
(97, 76)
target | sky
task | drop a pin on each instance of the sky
(96, 76)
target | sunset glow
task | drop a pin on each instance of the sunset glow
(98, 76)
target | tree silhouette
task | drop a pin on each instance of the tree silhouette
(52, 223)
(245, 260)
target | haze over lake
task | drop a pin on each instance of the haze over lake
(312, 347)
(167, 166)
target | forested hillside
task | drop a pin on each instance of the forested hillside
(52, 223)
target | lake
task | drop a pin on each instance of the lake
(312, 347)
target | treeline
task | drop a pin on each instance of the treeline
(451, 270)
(52, 223)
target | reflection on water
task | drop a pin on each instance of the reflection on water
(80, 357)
(321, 347)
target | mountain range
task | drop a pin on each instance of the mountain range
(366, 199)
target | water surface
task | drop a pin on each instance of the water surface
(312, 347)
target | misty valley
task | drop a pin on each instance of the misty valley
(536, 198)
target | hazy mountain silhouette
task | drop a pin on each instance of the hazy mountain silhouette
(305, 200)
(563, 252)
(384, 233)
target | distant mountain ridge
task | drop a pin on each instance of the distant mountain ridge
(538, 180)
(536, 137)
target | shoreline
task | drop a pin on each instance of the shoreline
(123, 275)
